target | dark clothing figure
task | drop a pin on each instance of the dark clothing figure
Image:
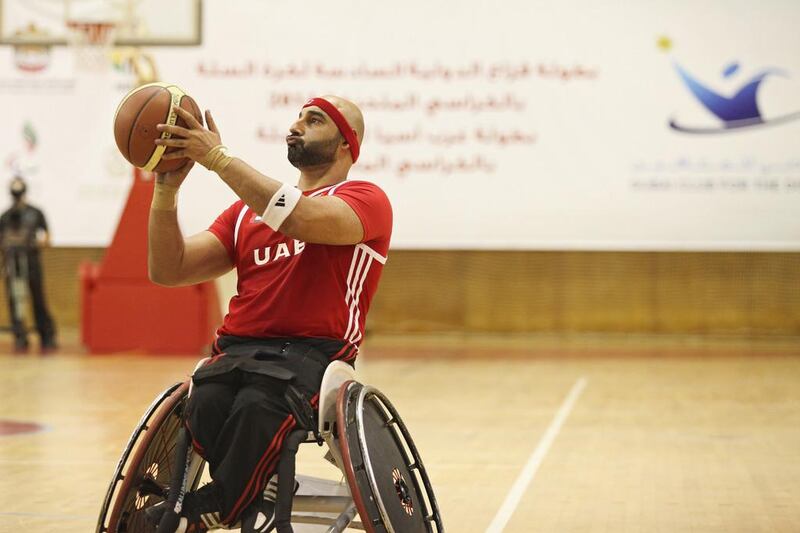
(19, 227)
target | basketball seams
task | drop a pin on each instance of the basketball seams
(137, 116)
(125, 100)
(134, 91)
(179, 98)
(135, 121)
(175, 97)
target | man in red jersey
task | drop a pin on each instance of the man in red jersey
(308, 259)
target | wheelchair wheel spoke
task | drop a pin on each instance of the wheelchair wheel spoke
(146, 477)
(149, 486)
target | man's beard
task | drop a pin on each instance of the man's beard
(311, 154)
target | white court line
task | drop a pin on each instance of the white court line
(529, 471)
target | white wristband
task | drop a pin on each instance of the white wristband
(281, 206)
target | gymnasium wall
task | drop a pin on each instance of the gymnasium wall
(541, 125)
(564, 292)
(571, 166)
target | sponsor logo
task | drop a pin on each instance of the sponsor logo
(29, 54)
(736, 111)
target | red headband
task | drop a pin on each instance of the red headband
(344, 127)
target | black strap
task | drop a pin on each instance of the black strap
(305, 415)
(177, 484)
(286, 470)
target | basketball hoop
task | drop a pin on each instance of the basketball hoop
(92, 42)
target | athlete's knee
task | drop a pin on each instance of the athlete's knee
(208, 407)
(210, 395)
(255, 403)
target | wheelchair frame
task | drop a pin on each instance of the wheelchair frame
(152, 463)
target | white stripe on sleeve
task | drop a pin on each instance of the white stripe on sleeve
(238, 223)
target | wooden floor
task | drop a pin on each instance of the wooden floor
(665, 434)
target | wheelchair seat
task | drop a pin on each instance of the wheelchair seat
(384, 481)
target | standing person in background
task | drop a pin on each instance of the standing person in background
(23, 230)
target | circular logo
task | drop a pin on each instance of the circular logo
(402, 492)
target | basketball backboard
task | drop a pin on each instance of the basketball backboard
(139, 22)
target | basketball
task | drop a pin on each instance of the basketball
(136, 119)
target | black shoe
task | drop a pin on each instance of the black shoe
(48, 347)
(259, 517)
(200, 512)
(202, 508)
(155, 513)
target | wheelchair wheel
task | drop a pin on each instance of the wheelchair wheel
(387, 479)
(147, 463)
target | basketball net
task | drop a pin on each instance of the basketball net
(92, 42)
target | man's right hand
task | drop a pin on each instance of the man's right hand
(176, 177)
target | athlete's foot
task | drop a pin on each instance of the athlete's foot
(48, 347)
(155, 513)
(201, 512)
(259, 517)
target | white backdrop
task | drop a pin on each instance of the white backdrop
(513, 125)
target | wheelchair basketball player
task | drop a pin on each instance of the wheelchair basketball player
(308, 258)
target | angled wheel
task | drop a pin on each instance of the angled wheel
(145, 468)
(387, 479)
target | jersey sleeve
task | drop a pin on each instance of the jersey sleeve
(371, 205)
(224, 226)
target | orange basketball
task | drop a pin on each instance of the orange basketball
(135, 124)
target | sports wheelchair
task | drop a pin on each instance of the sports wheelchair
(385, 482)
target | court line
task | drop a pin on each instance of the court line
(535, 460)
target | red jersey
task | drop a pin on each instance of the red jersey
(289, 288)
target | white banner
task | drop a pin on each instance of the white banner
(518, 125)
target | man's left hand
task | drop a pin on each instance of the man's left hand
(193, 142)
